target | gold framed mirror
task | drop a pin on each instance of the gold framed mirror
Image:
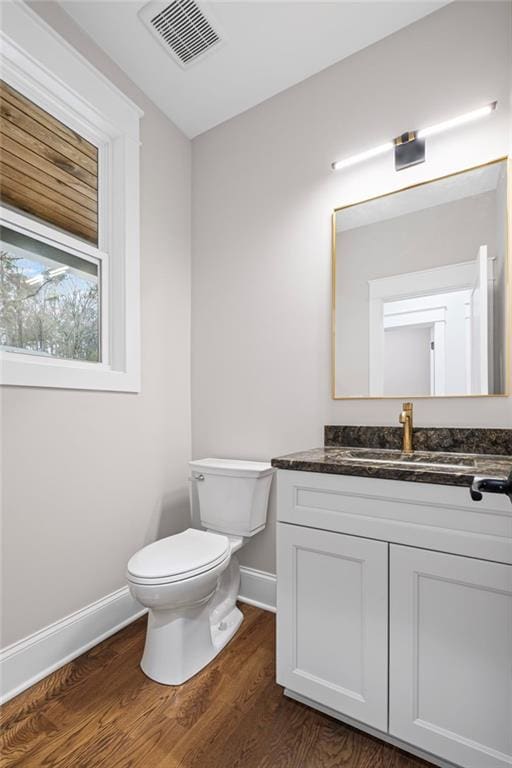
(421, 289)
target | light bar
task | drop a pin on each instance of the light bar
(363, 156)
(57, 271)
(468, 117)
(52, 273)
(34, 280)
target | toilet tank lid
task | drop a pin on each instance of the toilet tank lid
(232, 467)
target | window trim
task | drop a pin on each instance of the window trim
(60, 80)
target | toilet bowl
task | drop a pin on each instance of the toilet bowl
(190, 581)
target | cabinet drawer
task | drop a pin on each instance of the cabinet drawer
(433, 517)
(332, 613)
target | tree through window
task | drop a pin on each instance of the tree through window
(49, 300)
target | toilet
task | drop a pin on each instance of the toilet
(190, 581)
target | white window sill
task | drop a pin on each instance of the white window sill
(28, 370)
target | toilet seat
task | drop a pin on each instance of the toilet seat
(178, 557)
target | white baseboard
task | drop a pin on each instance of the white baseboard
(24, 663)
(258, 588)
(27, 661)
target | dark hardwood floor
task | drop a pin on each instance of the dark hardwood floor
(100, 710)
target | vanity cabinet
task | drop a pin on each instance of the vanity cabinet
(371, 570)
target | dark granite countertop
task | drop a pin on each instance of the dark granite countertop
(442, 468)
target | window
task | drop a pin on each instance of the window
(49, 299)
(69, 250)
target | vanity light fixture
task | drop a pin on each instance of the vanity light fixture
(52, 273)
(468, 117)
(363, 156)
(58, 271)
(409, 147)
(35, 280)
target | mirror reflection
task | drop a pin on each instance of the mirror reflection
(420, 289)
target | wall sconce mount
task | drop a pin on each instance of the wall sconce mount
(409, 150)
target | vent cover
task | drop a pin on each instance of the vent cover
(182, 28)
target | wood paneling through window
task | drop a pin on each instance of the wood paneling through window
(46, 169)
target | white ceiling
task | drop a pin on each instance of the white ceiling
(447, 190)
(269, 46)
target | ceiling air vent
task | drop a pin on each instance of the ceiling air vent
(183, 28)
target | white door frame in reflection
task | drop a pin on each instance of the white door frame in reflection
(428, 298)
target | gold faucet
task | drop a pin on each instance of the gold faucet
(406, 420)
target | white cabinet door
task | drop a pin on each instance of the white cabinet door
(332, 613)
(451, 656)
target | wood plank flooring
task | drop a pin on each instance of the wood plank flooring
(101, 710)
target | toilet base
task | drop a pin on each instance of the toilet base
(181, 641)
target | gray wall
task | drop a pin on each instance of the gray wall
(407, 349)
(263, 194)
(90, 477)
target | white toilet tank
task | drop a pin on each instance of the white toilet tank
(232, 494)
